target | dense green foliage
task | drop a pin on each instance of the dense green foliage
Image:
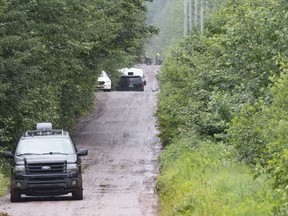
(224, 85)
(259, 134)
(3, 185)
(51, 53)
(217, 80)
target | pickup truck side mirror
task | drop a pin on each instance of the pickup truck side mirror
(82, 152)
(8, 154)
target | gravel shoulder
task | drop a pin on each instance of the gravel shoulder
(121, 168)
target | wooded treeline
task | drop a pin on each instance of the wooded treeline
(52, 51)
(227, 86)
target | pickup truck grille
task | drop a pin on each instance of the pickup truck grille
(45, 168)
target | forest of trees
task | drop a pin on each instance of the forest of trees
(222, 114)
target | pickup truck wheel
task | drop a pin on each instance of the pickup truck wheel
(15, 196)
(78, 194)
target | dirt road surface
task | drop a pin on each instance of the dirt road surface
(121, 168)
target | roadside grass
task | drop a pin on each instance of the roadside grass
(203, 179)
(4, 181)
(4, 176)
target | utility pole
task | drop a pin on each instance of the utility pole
(200, 14)
(185, 18)
(201, 18)
(190, 15)
(195, 12)
(207, 9)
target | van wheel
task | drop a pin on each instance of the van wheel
(15, 196)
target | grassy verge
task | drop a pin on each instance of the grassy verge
(204, 180)
(4, 181)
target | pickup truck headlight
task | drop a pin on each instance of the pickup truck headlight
(19, 170)
(72, 167)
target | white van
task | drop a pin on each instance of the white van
(134, 72)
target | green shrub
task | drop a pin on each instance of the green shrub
(4, 181)
(260, 132)
(245, 134)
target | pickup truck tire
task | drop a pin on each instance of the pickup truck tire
(15, 196)
(78, 193)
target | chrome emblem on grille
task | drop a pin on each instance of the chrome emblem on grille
(45, 168)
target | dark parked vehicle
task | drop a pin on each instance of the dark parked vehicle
(45, 162)
(130, 83)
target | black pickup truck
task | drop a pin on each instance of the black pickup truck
(45, 162)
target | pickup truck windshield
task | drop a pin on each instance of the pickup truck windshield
(43, 145)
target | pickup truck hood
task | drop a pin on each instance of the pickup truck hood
(71, 158)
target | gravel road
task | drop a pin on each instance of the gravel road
(121, 168)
